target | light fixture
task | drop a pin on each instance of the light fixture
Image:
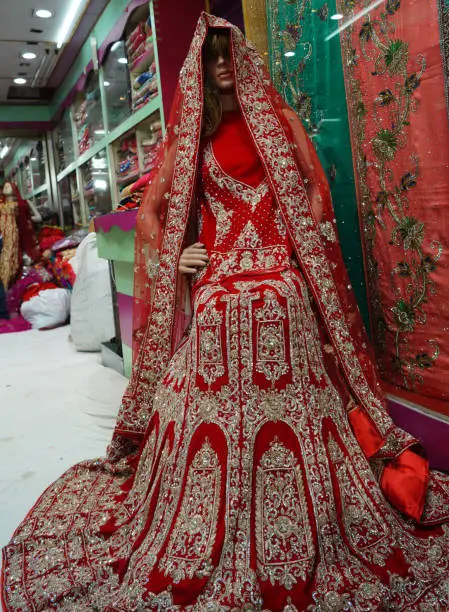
(29, 55)
(4, 151)
(33, 158)
(100, 132)
(116, 45)
(122, 60)
(100, 184)
(289, 53)
(20, 81)
(43, 13)
(71, 14)
(106, 83)
(337, 16)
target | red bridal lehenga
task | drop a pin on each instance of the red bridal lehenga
(253, 465)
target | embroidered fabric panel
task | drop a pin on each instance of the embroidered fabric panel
(254, 448)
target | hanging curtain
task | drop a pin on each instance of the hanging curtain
(396, 97)
(443, 7)
(255, 17)
(307, 70)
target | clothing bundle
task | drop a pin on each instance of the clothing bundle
(140, 50)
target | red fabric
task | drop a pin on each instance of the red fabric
(404, 483)
(35, 289)
(238, 158)
(400, 272)
(366, 434)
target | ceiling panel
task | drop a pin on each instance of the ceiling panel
(17, 21)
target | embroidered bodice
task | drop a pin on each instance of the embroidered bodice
(241, 224)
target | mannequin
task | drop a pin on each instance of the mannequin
(18, 234)
(9, 258)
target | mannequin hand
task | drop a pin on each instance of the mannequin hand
(193, 257)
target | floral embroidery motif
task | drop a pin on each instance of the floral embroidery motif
(248, 238)
(283, 534)
(211, 364)
(388, 210)
(271, 357)
(193, 535)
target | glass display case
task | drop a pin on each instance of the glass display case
(63, 143)
(38, 165)
(70, 199)
(88, 115)
(96, 189)
(141, 59)
(26, 178)
(117, 85)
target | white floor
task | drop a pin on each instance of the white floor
(57, 407)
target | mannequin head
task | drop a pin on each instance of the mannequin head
(7, 189)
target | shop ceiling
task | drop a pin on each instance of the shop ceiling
(22, 31)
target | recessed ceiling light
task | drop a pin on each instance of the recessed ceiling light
(337, 16)
(29, 55)
(20, 81)
(43, 13)
(106, 83)
(122, 60)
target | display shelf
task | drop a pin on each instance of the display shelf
(141, 59)
(117, 87)
(96, 188)
(64, 149)
(88, 115)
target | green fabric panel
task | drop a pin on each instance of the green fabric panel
(116, 245)
(124, 277)
(127, 360)
(312, 82)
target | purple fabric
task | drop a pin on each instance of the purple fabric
(15, 293)
(125, 220)
(125, 309)
(17, 324)
(230, 10)
(69, 242)
(431, 431)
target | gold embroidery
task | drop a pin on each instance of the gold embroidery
(283, 530)
(192, 540)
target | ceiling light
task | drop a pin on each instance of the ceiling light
(289, 54)
(43, 13)
(71, 15)
(116, 45)
(20, 81)
(4, 152)
(29, 55)
(122, 60)
(100, 132)
(106, 83)
(337, 16)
